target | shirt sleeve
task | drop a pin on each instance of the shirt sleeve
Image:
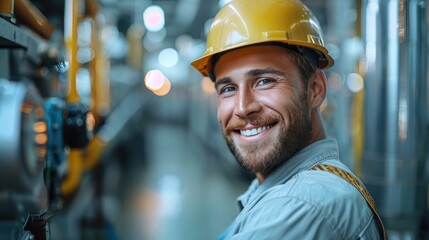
(285, 218)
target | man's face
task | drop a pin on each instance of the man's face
(262, 106)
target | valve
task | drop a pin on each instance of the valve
(76, 133)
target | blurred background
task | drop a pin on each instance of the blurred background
(106, 132)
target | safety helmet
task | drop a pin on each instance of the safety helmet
(242, 23)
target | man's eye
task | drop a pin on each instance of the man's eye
(264, 81)
(227, 89)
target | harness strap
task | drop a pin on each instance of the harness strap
(356, 183)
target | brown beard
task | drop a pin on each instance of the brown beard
(291, 139)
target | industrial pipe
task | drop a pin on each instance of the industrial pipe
(30, 16)
(395, 135)
(6, 8)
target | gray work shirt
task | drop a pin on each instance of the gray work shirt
(295, 202)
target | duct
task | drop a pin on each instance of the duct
(395, 135)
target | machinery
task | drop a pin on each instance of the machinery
(23, 150)
(46, 140)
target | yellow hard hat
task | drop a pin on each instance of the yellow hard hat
(247, 22)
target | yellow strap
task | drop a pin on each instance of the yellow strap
(356, 183)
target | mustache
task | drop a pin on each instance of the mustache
(240, 123)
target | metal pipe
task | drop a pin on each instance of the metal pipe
(74, 172)
(70, 36)
(99, 68)
(74, 159)
(29, 15)
(6, 8)
(395, 133)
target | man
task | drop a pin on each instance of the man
(266, 59)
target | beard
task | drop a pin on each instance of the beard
(266, 156)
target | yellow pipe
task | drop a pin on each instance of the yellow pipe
(74, 168)
(135, 47)
(98, 68)
(82, 160)
(74, 174)
(93, 153)
(92, 67)
(95, 76)
(100, 93)
(99, 87)
(79, 161)
(357, 130)
(6, 8)
(91, 8)
(30, 16)
(102, 81)
(71, 22)
(358, 108)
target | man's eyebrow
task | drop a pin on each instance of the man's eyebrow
(224, 80)
(252, 72)
(260, 71)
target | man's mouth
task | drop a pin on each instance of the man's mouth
(254, 131)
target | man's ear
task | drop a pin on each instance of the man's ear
(318, 88)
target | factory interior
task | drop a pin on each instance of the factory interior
(107, 132)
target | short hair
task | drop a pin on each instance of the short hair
(305, 68)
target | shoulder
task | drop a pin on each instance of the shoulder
(321, 188)
(316, 201)
(284, 217)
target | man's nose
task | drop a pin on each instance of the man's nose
(247, 103)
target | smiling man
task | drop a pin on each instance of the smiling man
(266, 59)
(263, 106)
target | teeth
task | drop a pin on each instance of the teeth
(254, 131)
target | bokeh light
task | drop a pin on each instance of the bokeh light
(168, 57)
(154, 80)
(153, 18)
(355, 82)
(165, 88)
